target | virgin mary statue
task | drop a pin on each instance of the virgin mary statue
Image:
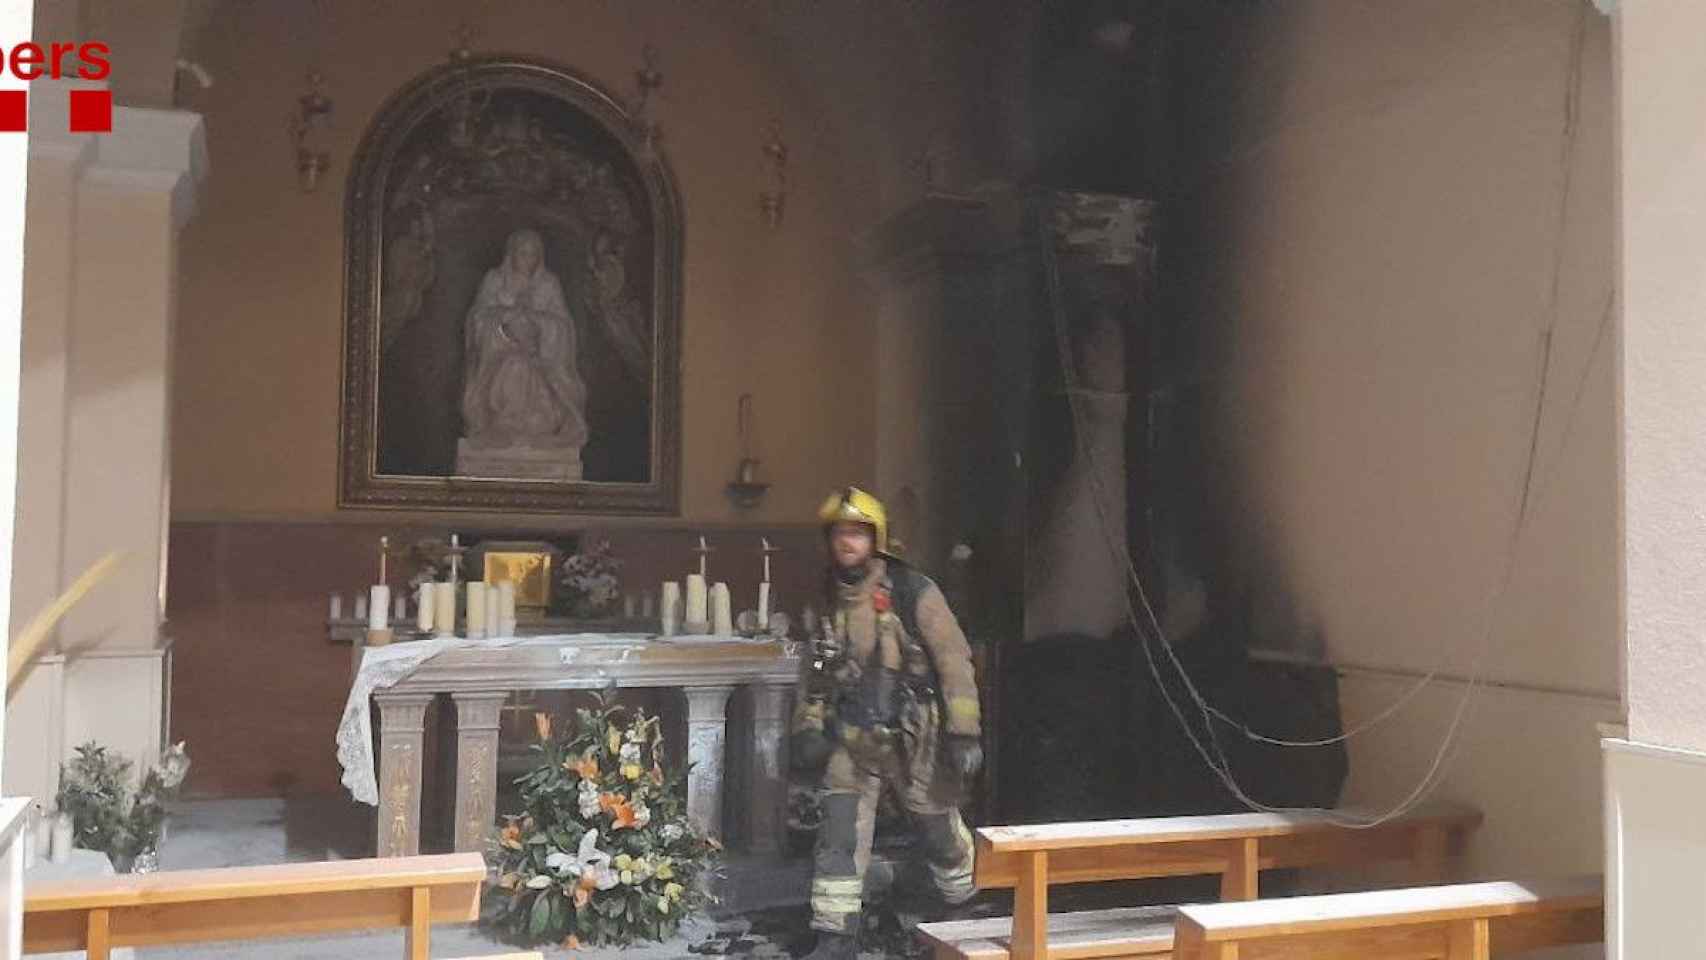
(523, 401)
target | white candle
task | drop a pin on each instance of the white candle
(444, 611)
(764, 603)
(506, 603)
(378, 606)
(337, 607)
(360, 607)
(696, 612)
(400, 608)
(721, 613)
(494, 609)
(670, 614)
(424, 602)
(476, 609)
(64, 838)
(43, 829)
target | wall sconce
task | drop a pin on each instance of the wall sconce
(773, 200)
(308, 132)
(747, 490)
(647, 79)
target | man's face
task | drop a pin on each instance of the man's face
(850, 544)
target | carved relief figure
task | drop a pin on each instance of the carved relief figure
(522, 387)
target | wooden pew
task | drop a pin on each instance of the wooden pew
(1235, 846)
(239, 903)
(1471, 921)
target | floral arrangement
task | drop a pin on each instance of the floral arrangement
(94, 788)
(591, 580)
(604, 853)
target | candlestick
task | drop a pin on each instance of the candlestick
(703, 550)
(670, 608)
(722, 616)
(360, 607)
(424, 602)
(444, 611)
(696, 599)
(764, 545)
(378, 606)
(476, 610)
(384, 548)
(337, 607)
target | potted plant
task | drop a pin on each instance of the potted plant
(94, 788)
(591, 582)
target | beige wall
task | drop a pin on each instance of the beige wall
(1381, 230)
(780, 313)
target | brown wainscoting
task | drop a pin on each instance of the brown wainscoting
(257, 686)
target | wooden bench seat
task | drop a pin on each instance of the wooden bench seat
(1236, 846)
(1471, 921)
(190, 906)
(1122, 932)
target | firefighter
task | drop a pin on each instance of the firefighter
(890, 699)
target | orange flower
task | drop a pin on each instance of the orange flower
(586, 886)
(572, 943)
(587, 767)
(542, 723)
(511, 836)
(622, 812)
(583, 896)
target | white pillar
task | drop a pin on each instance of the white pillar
(1656, 779)
(15, 21)
(135, 194)
(57, 160)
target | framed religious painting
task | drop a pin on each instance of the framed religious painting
(512, 311)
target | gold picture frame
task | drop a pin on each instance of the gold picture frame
(530, 571)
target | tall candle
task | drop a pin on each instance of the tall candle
(378, 606)
(506, 601)
(764, 603)
(696, 612)
(476, 609)
(64, 838)
(444, 611)
(721, 614)
(424, 602)
(670, 614)
(360, 607)
(494, 609)
(337, 607)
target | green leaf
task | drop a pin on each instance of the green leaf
(540, 918)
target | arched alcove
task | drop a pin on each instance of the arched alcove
(472, 383)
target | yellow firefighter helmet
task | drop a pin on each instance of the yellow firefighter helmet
(853, 505)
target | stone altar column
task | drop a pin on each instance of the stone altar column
(402, 732)
(707, 731)
(476, 767)
(767, 777)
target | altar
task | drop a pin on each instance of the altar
(477, 676)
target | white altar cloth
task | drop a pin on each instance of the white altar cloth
(383, 667)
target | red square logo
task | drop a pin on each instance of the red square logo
(14, 111)
(91, 111)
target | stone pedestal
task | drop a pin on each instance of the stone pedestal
(402, 730)
(768, 786)
(518, 461)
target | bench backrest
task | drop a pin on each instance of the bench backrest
(186, 906)
(1460, 922)
(1233, 845)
